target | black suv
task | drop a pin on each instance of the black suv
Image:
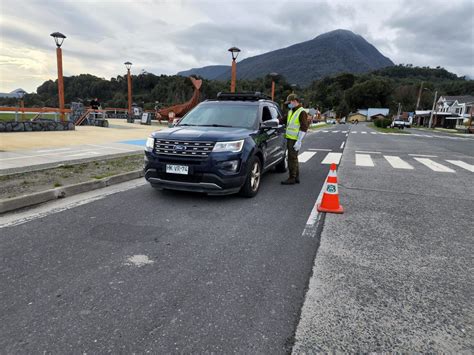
(220, 147)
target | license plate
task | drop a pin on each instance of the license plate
(177, 169)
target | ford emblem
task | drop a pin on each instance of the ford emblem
(179, 148)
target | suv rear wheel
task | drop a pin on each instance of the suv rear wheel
(252, 182)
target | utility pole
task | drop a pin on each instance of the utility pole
(419, 97)
(432, 110)
(399, 110)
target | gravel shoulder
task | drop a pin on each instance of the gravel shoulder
(14, 185)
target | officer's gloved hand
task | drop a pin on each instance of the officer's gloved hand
(297, 145)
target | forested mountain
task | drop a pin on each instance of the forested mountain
(344, 92)
(339, 51)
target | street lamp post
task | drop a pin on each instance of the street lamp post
(21, 95)
(128, 65)
(273, 75)
(432, 110)
(235, 53)
(59, 39)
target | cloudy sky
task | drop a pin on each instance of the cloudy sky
(166, 36)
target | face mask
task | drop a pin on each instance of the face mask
(290, 105)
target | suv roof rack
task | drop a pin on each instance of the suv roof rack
(242, 96)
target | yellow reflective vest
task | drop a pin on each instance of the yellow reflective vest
(293, 124)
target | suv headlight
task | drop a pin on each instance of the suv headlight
(234, 147)
(150, 142)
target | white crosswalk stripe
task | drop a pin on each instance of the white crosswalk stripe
(462, 164)
(363, 132)
(373, 132)
(364, 160)
(354, 132)
(397, 162)
(332, 158)
(305, 156)
(334, 131)
(434, 165)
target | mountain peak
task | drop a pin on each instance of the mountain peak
(330, 53)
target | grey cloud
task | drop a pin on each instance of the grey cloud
(444, 36)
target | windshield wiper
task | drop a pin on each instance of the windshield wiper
(186, 124)
(214, 125)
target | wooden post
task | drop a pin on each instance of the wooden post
(234, 74)
(59, 56)
(273, 90)
(129, 93)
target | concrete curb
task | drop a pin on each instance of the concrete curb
(11, 204)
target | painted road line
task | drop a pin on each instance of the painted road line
(366, 152)
(342, 145)
(332, 158)
(53, 150)
(325, 131)
(354, 132)
(305, 156)
(424, 156)
(347, 134)
(397, 162)
(84, 153)
(462, 164)
(363, 132)
(334, 131)
(19, 157)
(373, 132)
(324, 150)
(343, 131)
(15, 218)
(107, 147)
(364, 160)
(434, 165)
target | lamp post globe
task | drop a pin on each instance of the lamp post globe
(235, 53)
(59, 39)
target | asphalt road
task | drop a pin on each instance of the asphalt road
(394, 272)
(148, 271)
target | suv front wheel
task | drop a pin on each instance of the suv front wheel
(252, 182)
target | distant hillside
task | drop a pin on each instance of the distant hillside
(211, 72)
(330, 53)
(14, 93)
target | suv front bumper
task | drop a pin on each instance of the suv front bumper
(203, 178)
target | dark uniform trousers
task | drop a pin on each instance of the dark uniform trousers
(292, 159)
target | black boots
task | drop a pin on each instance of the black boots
(291, 181)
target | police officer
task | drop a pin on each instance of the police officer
(296, 128)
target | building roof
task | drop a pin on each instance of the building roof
(373, 111)
(460, 99)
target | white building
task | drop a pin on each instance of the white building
(454, 110)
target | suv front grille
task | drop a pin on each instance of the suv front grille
(183, 148)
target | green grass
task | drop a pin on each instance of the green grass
(388, 130)
(101, 176)
(10, 116)
(57, 184)
(319, 127)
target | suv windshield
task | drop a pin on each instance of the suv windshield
(217, 114)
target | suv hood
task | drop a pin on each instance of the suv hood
(214, 134)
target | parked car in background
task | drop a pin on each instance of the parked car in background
(331, 121)
(398, 123)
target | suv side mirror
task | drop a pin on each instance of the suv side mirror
(273, 123)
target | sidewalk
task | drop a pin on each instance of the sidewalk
(23, 151)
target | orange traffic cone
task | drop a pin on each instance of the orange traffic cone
(330, 200)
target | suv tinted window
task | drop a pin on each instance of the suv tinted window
(222, 114)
